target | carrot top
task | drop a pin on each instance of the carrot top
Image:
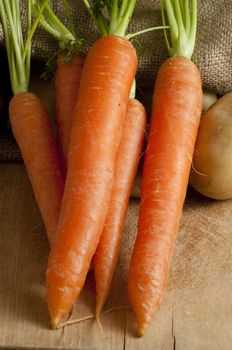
(182, 18)
(119, 15)
(112, 17)
(18, 46)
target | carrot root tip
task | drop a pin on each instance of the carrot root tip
(55, 322)
(141, 329)
(99, 324)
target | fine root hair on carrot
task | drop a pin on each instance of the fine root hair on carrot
(77, 320)
(98, 319)
(91, 317)
(196, 171)
(144, 152)
(116, 308)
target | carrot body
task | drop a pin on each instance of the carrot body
(107, 76)
(175, 119)
(67, 81)
(32, 131)
(129, 153)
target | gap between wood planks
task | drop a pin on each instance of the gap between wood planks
(124, 335)
(173, 331)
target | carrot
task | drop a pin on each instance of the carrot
(29, 119)
(31, 128)
(128, 156)
(69, 63)
(107, 76)
(175, 119)
(67, 80)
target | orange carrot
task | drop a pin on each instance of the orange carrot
(29, 119)
(32, 131)
(68, 71)
(175, 119)
(107, 77)
(67, 80)
(129, 153)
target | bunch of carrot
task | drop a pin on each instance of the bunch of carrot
(83, 189)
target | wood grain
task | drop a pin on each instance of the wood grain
(196, 312)
(24, 250)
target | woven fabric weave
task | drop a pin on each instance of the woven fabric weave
(213, 51)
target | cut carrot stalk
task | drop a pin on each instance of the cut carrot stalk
(128, 157)
(107, 77)
(175, 119)
(29, 119)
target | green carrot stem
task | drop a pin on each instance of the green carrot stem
(140, 32)
(33, 29)
(51, 23)
(125, 19)
(123, 8)
(98, 19)
(193, 28)
(18, 77)
(56, 23)
(119, 12)
(133, 90)
(28, 52)
(18, 53)
(7, 39)
(68, 12)
(187, 17)
(114, 17)
(182, 18)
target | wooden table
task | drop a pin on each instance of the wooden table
(196, 312)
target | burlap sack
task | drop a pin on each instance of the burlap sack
(213, 51)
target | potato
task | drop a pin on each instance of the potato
(211, 173)
(209, 98)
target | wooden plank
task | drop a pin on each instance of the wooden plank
(195, 313)
(201, 276)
